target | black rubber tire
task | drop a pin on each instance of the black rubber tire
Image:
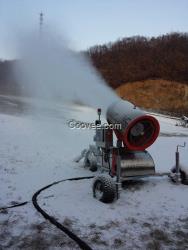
(93, 168)
(107, 188)
(183, 176)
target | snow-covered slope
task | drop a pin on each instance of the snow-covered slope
(38, 149)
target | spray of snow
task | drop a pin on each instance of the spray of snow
(49, 70)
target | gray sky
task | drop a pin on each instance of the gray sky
(90, 22)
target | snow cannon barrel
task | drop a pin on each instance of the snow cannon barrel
(137, 130)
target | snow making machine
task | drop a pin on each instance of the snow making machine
(119, 152)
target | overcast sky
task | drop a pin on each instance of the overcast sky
(90, 22)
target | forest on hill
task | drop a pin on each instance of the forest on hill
(140, 58)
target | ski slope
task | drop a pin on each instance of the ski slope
(38, 148)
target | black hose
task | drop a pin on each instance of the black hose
(15, 205)
(82, 244)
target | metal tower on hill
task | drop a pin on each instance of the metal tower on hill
(41, 19)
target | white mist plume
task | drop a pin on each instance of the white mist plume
(49, 70)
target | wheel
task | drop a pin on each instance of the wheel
(183, 175)
(92, 167)
(104, 189)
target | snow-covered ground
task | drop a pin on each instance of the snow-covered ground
(38, 149)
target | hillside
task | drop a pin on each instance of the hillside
(140, 58)
(8, 83)
(157, 94)
(129, 63)
(133, 61)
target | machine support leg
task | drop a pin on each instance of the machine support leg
(118, 176)
(177, 175)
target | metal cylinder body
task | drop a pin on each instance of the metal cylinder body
(138, 130)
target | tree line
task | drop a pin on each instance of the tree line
(140, 58)
(8, 83)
